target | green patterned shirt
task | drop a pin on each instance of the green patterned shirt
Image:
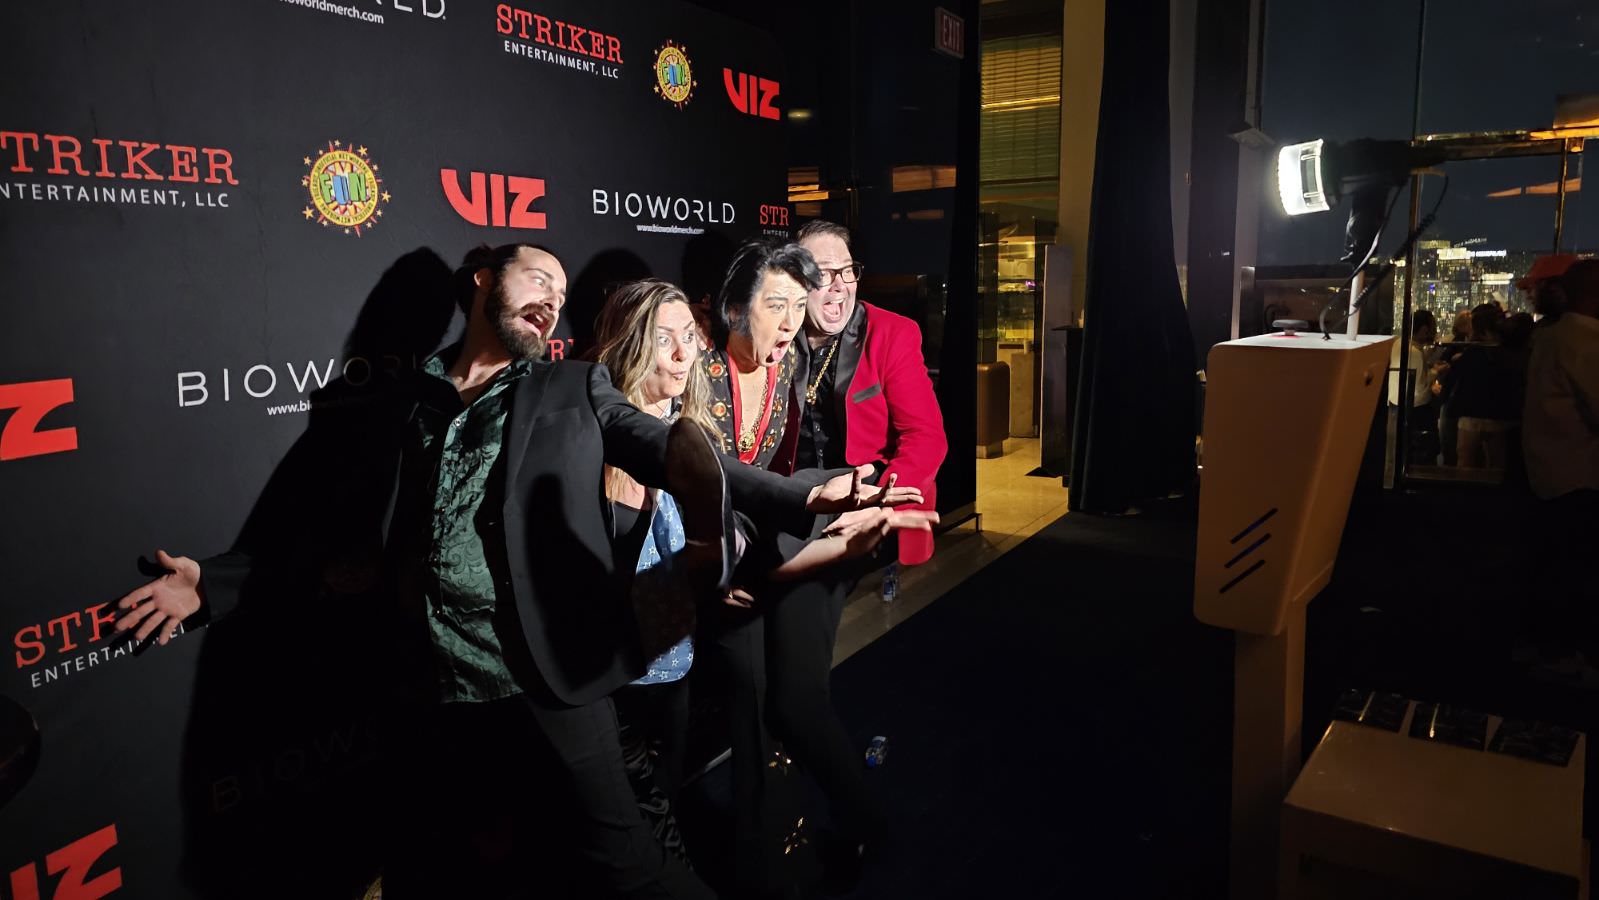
(460, 450)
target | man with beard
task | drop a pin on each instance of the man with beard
(494, 488)
(867, 400)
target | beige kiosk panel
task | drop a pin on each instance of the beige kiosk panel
(1286, 419)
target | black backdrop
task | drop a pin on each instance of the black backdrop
(172, 313)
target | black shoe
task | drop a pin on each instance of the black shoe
(694, 479)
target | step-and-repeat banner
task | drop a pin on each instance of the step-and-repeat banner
(219, 220)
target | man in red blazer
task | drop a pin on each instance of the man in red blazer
(863, 395)
(867, 395)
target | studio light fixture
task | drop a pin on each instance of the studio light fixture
(1314, 176)
(1299, 179)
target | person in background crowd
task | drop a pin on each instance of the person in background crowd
(1448, 417)
(1483, 386)
(1413, 379)
(1561, 443)
(1515, 335)
(499, 553)
(867, 400)
(1543, 286)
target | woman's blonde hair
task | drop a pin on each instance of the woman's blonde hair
(624, 340)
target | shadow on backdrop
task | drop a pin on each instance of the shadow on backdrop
(586, 293)
(298, 691)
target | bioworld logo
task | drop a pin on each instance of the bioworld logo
(291, 389)
(543, 39)
(74, 864)
(485, 201)
(120, 172)
(21, 435)
(750, 94)
(425, 9)
(664, 214)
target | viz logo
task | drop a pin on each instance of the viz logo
(756, 96)
(33, 400)
(75, 864)
(487, 206)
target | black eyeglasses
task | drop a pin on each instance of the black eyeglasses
(849, 274)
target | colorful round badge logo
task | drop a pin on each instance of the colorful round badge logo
(674, 75)
(345, 189)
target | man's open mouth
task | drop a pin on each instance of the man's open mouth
(539, 321)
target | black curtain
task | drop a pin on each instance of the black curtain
(1135, 423)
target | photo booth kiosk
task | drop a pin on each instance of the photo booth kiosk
(1379, 810)
(1286, 420)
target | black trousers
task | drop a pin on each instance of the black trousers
(654, 733)
(771, 849)
(524, 797)
(801, 629)
(733, 643)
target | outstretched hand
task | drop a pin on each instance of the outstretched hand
(160, 606)
(847, 493)
(864, 530)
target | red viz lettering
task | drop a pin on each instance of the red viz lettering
(751, 94)
(484, 201)
(33, 400)
(73, 863)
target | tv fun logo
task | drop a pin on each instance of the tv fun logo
(674, 75)
(346, 191)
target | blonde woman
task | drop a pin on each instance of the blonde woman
(646, 336)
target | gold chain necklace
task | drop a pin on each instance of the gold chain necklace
(810, 392)
(746, 438)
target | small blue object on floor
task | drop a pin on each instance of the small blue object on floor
(877, 752)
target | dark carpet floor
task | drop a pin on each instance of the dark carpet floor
(1060, 724)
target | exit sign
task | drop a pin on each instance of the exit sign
(949, 33)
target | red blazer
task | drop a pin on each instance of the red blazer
(888, 409)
